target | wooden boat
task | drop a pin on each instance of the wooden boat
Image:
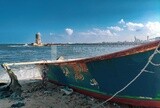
(130, 77)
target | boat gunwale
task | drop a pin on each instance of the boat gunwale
(134, 50)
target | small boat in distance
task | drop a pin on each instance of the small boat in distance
(130, 76)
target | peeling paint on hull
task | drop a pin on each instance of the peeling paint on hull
(103, 76)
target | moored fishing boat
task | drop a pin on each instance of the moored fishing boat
(130, 76)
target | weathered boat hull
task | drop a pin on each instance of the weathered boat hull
(103, 76)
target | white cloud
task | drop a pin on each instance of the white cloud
(153, 26)
(118, 32)
(69, 31)
(104, 32)
(88, 33)
(97, 35)
(98, 32)
(121, 21)
(134, 26)
(115, 28)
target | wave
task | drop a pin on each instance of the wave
(26, 45)
(15, 45)
(19, 45)
(23, 73)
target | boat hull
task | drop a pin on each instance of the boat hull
(103, 76)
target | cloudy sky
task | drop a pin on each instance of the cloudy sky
(78, 20)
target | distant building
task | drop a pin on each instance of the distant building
(38, 41)
(38, 38)
(157, 38)
(136, 40)
(154, 39)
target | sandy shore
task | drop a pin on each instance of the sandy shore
(35, 95)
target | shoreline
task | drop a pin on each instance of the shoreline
(98, 43)
(103, 43)
(35, 95)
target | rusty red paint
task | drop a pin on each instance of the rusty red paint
(77, 71)
(83, 67)
(77, 68)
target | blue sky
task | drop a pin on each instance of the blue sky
(78, 20)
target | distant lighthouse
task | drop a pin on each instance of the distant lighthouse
(38, 38)
(38, 41)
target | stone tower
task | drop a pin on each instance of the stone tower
(38, 39)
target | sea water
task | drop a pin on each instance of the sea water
(12, 53)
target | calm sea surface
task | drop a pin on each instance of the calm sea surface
(22, 53)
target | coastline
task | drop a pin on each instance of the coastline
(35, 95)
(103, 43)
